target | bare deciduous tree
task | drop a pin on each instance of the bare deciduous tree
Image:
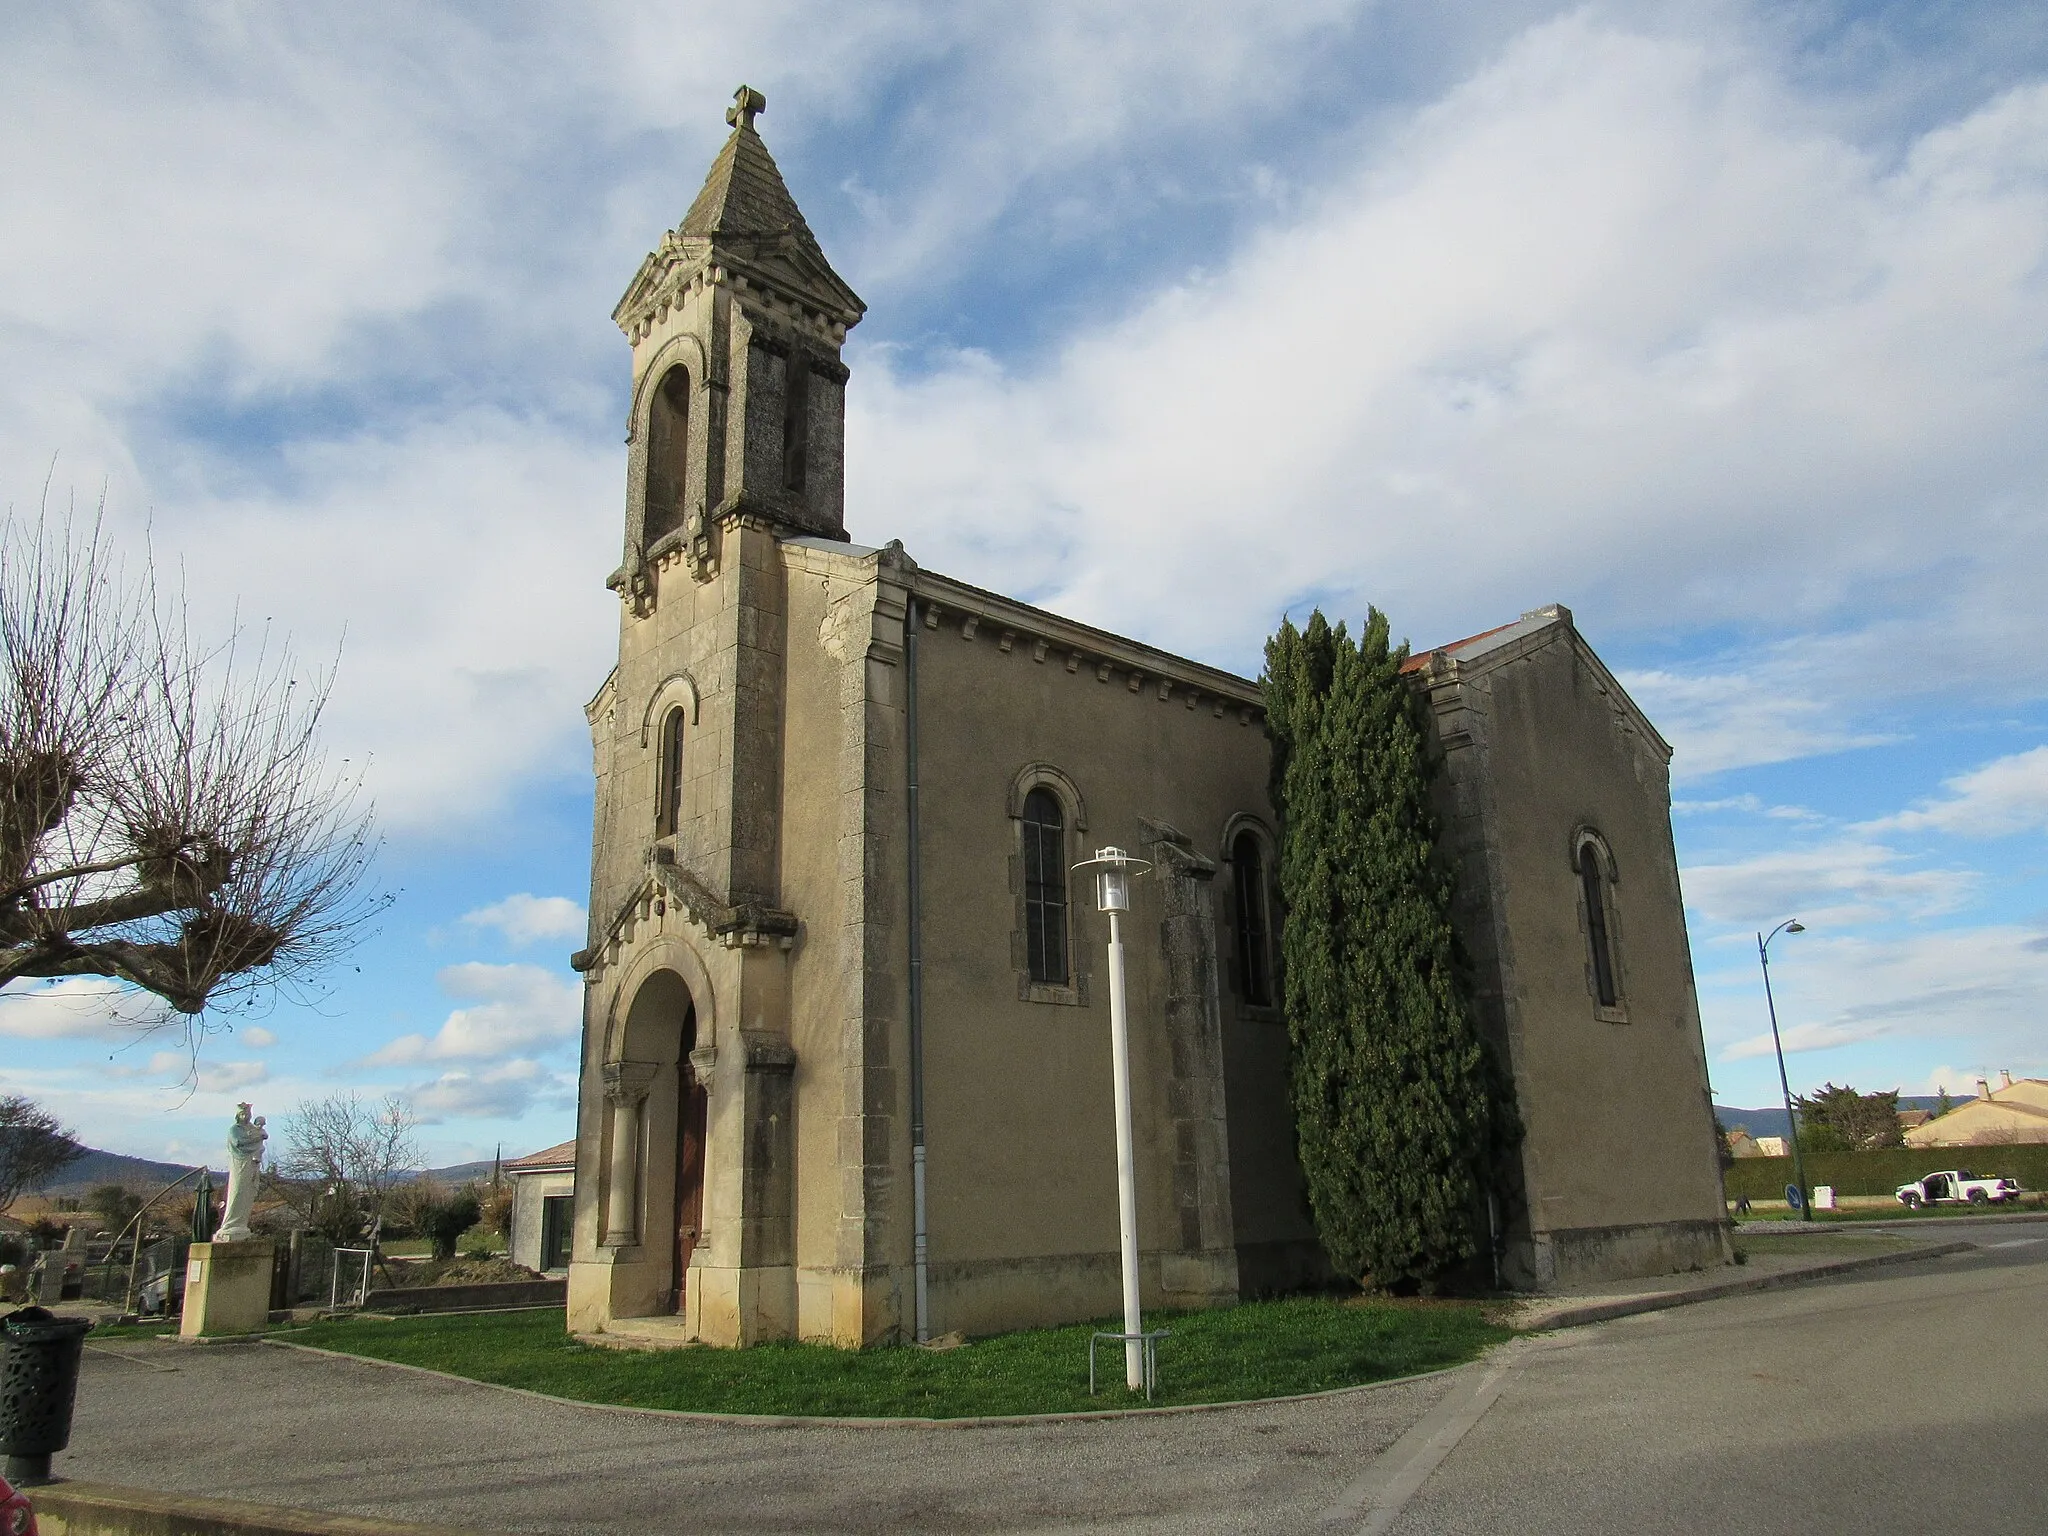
(341, 1149)
(167, 819)
(34, 1148)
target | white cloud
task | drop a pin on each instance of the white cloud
(1830, 885)
(75, 1008)
(1752, 805)
(256, 1036)
(1982, 989)
(527, 919)
(2003, 797)
(517, 1008)
(456, 691)
(506, 1091)
(183, 1069)
(1621, 307)
(1717, 721)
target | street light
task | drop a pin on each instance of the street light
(1763, 954)
(1113, 868)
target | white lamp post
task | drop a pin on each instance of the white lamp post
(1113, 869)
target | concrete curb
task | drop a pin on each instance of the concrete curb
(105, 1509)
(1660, 1301)
(803, 1420)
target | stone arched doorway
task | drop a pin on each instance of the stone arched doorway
(660, 1034)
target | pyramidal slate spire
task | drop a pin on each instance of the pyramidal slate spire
(743, 221)
(744, 193)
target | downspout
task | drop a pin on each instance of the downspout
(920, 1245)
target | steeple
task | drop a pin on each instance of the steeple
(736, 321)
(744, 193)
(745, 214)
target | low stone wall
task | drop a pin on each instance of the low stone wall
(100, 1509)
(464, 1298)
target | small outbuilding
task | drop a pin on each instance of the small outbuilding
(543, 1208)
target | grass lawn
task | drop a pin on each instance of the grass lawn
(1259, 1349)
(1828, 1244)
(1892, 1211)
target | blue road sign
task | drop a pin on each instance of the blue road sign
(1793, 1198)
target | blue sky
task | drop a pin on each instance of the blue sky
(1722, 323)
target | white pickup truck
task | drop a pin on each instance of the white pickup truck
(1955, 1186)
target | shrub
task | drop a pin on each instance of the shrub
(444, 1222)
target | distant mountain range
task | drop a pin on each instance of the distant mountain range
(1771, 1122)
(145, 1176)
(136, 1173)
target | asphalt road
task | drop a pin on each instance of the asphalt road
(1915, 1399)
(1910, 1399)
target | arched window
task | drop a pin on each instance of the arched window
(668, 775)
(1254, 920)
(1593, 880)
(796, 420)
(668, 454)
(1045, 888)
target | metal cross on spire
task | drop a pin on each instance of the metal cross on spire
(747, 104)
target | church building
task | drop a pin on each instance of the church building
(846, 1063)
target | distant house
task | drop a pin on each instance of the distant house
(2013, 1112)
(1770, 1146)
(543, 1208)
(1742, 1144)
(1913, 1119)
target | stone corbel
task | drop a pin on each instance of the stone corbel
(703, 1061)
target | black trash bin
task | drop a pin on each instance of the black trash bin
(39, 1355)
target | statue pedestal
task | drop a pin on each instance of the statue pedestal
(227, 1289)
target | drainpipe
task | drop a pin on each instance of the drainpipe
(920, 1244)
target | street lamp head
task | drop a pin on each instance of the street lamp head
(1795, 926)
(1113, 869)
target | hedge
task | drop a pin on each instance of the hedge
(1880, 1173)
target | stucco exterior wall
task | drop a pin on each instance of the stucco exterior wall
(528, 1191)
(1618, 1164)
(1022, 1173)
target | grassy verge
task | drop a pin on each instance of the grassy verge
(2033, 1205)
(1833, 1244)
(1259, 1349)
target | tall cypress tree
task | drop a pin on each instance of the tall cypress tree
(1401, 1115)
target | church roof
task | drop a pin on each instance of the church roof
(1487, 639)
(743, 221)
(744, 193)
(544, 1161)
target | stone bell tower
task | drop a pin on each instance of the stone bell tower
(739, 397)
(685, 1163)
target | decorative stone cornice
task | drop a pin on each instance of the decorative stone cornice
(972, 614)
(742, 924)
